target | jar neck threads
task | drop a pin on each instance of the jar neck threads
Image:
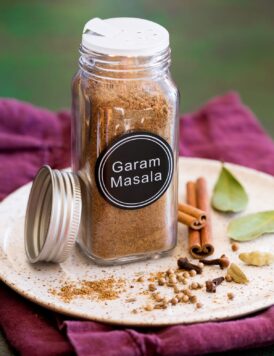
(124, 67)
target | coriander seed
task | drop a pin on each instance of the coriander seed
(170, 271)
(174, 301)
(188, 292)
(173, 280)
(176, 289)
(193, 299)
(185, 281)
(152, 287)
(235, 247)
(192, 273)
(149, 307)
(161, 281)
(158, 298)
(194, 285)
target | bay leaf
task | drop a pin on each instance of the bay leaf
(251, 226)
(229, 195)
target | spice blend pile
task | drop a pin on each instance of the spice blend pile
(102, 289)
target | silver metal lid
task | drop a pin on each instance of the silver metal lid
(53, 215)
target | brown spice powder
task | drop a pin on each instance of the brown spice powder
(106, 110)
(102, 289)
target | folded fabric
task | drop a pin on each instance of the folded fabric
(223, 129)
(29, 138)
(226, 130)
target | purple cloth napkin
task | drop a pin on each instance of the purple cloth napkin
(29, 138)
(223, 129)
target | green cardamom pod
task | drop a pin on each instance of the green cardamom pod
(237, 274)
(257, 258)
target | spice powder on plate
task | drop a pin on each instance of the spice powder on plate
(102, 289)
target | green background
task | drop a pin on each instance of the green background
(217, 45)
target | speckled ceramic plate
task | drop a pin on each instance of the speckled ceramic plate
(35, 281)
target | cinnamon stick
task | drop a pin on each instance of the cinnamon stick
(192, 210)
(193, 235)
(203, 203)
(200, 242)
(191, 216)
(189, 220)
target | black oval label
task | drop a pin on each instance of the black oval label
(135, 170)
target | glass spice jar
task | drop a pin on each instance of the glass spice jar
(124, 144)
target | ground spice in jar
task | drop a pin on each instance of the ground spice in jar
(117, 232)
(111, 100)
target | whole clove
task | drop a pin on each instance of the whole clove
(211, 285)
(183, 263)
(223, 262)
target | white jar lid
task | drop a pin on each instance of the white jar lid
(125, 36)
(53, 215)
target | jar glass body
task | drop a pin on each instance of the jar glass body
(111, 97)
